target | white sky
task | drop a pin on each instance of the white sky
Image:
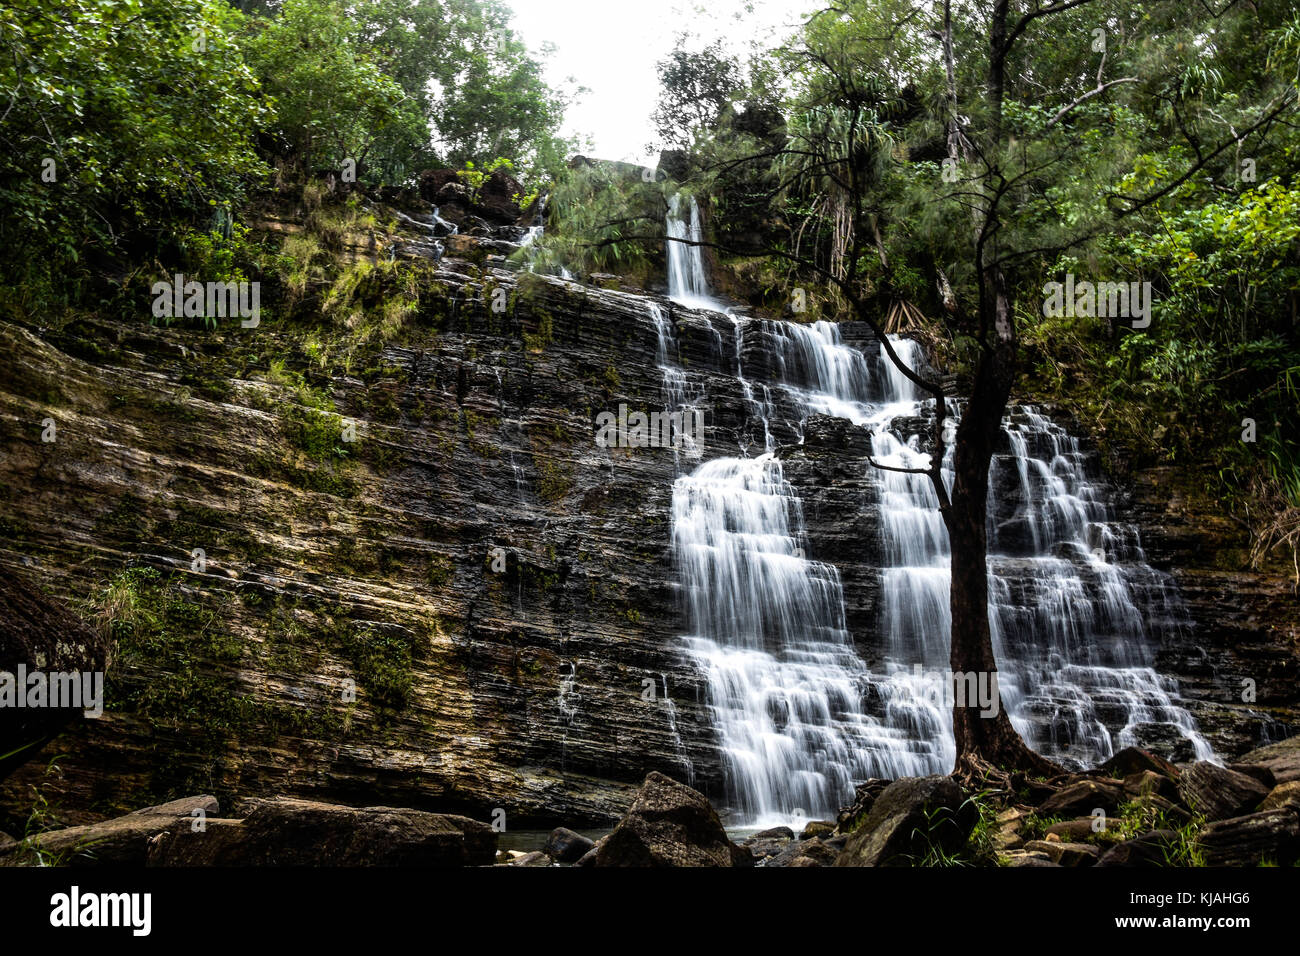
(611, 47)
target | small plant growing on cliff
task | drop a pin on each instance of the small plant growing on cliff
(440, 571)
(554, 481)
(43, 818)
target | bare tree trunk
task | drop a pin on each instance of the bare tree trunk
(983, 742)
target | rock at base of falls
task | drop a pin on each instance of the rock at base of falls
(1082, 797)
(566, 846)
(1282, 758)
(864, 796)
(1218, 792)
(909, 819)
(1133, 760)
(279, 832)
(1272, 836)
(1153, 848)
(291, 832)
(669, 824)
(1283, 796)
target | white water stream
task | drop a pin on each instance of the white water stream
(1076, 612)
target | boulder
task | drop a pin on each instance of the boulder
(1283, 758)
(1152, 805)
(536, 858)
(1256, 770)
(1153, 848)
(1133, 760)
(669, 824)
(201, 806)
(1072, 831)
(768, 843)
(773, 833)
(817, 828)
(432, 182)
(1080, 798)
(290, 832)
(1026, 858)
(805, 853)
(864, 796)
(462, 246)
(1065, 854)
(589, 858)
(1034, 791)
(909, 818)
(1284, 795)
(496, 198)
(1272, 836)
(118, 841)
(1007, 840)
(566, 846)
(1218, 792)
(1149, 782)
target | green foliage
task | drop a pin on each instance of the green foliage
(42, 818)
(603, 217)
(135, 132)
(141, 111)
(977, 850)
(695, 88)
(1221, 349)
(441, 571)
(187, 652)
(494, 101)
(383, 662)
(554, 479)
(331, 99)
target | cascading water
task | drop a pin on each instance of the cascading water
(1075, 610)
(1074, 607)
(688, 281)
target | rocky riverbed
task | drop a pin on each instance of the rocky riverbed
(1136, 810)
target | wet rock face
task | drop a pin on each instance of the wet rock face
(1227, 632)
(493, 204)
(1237, 661)
(494, 588)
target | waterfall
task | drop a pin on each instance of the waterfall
(1076, 613)
(1075, 609)
(688, 280)
(787, 691)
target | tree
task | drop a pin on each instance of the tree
(406, 84)
(332, 100)
(695, 89)
(998, 166)
(115, 121)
